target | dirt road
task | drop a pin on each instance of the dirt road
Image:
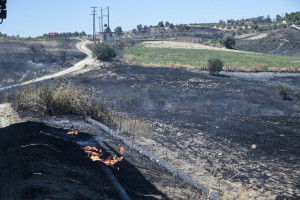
(7, 114)
(78, 66)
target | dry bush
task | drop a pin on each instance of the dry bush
(60, 99)
(132, 101)
(283, 91)
(26, 98)
(297, 94)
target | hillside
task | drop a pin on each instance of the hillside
(282, 42)
(278, 40)
(25, 59)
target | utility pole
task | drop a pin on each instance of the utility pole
(108, 18)
(99, 24)
(94, 13)
(101, 19)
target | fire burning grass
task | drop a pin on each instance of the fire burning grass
(95, 155)
(72, 132)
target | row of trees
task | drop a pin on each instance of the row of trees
(260, 23)
(70, 34)
(140, 28)
(293, 17)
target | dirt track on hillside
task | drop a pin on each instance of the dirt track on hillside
(78, 66)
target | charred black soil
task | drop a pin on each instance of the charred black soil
(24, 59)
(234, 133)
(38, 165)
(42, 162)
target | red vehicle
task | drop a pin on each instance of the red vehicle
(53, 35)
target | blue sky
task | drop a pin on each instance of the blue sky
(35, 17)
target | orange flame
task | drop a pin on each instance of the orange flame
(95, 155)
(72, 132)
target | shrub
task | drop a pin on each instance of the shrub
(228, 41)
(62, 56)
(60, 99)
(283, 91)
(215, 65)
(103, 51)
(37, 48)
(297, 94)
(159, 103)
(37, 51)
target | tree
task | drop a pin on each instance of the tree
(293, 17)
(268, 19)
(167, 24)
(215, 65)
(278, 18)
(228, 41)
(118, 31)
(171, 26)
(139, 27)
(161, 24)
(254, 26)
(134, 31)
(103, 51)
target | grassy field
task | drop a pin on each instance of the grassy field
(197, 58)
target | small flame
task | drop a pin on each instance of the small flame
(72, 132)
(95, 155)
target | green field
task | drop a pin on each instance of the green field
(197, 58)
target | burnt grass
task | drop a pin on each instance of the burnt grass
(18, 63)
(281, 42)
(36, 164)
(213, 122)
(42, 162)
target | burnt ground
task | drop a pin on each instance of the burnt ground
(281, 41)
(34, 164)
(232, 133)
(43, 162)
(18, 63)
(235, 134)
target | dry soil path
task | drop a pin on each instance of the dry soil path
(82, 46)
(7, 114)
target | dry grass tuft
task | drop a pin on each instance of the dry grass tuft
(60, 99)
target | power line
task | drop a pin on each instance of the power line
(99, 24)
(101, 19)
(102, 16)
(94, 27)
